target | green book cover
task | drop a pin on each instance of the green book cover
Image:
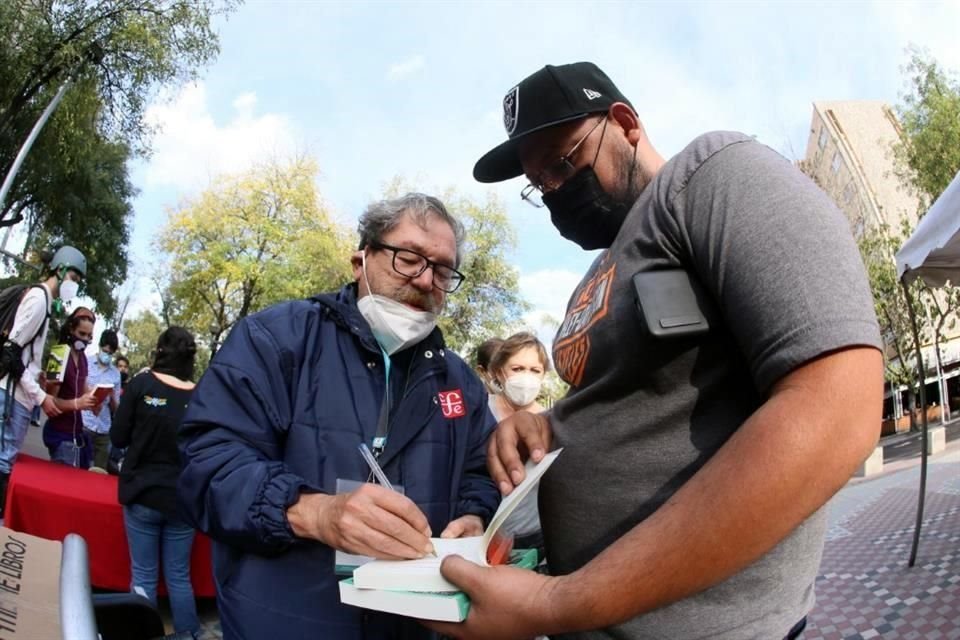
(444, 606)
(57, 362)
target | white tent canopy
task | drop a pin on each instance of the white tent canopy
(933, 251)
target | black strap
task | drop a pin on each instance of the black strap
(7, 407)
(383, 423)
(383, 420)
(797, 629)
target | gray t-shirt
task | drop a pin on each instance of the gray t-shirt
(783, 274)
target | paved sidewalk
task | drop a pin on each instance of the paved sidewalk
(865, 589)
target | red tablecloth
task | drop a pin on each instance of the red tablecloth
(51, 500)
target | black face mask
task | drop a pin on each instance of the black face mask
(124, 376)
(584, 213)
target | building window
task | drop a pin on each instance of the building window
(836, 162)
(822, 140)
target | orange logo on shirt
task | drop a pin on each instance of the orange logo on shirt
(571, 348)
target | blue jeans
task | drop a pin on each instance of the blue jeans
(70, 453)
(13, 432)
(151, 534)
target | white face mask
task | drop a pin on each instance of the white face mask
(522, 389)
(395, 325)
(68, 290)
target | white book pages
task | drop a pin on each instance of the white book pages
(424, 574)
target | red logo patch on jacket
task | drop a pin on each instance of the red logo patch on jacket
(451, 403)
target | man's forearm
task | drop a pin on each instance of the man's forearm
(782, 465)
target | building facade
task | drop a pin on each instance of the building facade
(849, 154)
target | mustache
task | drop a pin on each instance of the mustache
(417, 298)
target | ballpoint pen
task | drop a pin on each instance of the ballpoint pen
(374, 466)
(380, 475)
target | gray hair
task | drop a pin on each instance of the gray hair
(382, 216)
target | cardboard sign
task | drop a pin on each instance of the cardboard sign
(29, 586)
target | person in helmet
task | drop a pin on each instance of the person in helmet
(64, 271)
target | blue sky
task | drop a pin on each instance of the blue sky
(375, 90)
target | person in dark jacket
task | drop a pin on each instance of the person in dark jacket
(146, 423)
(276, 421)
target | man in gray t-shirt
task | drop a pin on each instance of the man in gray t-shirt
(715, 405)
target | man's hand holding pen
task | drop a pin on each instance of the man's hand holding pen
(372, 521)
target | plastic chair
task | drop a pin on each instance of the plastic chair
(109, 616)
(126, 616)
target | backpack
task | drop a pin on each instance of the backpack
(11, 354)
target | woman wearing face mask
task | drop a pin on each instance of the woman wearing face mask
(64, 435)
(518, 368)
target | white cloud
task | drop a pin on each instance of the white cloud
(191, 147)
(401, 70)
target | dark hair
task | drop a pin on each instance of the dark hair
(514, 345)
(124, 358)
(176, 352)
(485, 352)
(109, 339)
(73, 321)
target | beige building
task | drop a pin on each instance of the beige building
(849, 155)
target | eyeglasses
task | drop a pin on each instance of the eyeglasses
(411, 264)
(558, 172)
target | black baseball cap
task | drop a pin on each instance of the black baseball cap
(551, 96)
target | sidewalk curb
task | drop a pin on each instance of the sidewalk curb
(900, 437)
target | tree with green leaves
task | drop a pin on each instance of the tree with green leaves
(489, 301)
(927, 158)
(139, 339)
(249, 241)
(928, 153)
(878, 245)
(114, 54)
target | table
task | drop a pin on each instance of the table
(50, 500)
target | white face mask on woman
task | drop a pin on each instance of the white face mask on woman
(522, 389)
(395, 325)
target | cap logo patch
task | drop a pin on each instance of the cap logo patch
(591, 94)
(511, 109)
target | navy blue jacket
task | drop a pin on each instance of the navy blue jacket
(282, 409)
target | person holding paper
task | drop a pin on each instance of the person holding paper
(102, 371)
(276, 422)
(725, 375)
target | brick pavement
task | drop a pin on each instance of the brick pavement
(865, 589)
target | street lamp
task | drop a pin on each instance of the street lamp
(93, 54)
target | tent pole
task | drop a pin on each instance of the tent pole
(923, 418)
